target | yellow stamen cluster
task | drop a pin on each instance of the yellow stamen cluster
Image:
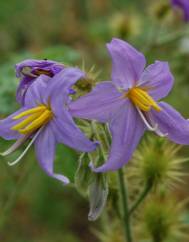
(141, 99)
(32, 119)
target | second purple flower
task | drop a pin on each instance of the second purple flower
(129, 103)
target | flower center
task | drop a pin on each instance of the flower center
(32, 119)
(141, 99)
(36, 72)
(39, 72)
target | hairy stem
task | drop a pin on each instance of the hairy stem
(140, 199)
(125, 206)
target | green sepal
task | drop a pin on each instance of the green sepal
(98, 193)
(84, 175)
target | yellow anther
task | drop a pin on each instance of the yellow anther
(25, 122)
(34, 119)
(37, 123)
(40, 108)
(140, 104)
(142, 99)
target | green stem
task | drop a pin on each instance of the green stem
(124, 198)
(140, 199)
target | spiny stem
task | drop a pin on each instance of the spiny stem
(140, 199)
(124, 199)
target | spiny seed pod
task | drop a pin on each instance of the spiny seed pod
(85, 85)
(112, 232)
(160, 9)
(124, 25)
(156, 163)
(163, 222)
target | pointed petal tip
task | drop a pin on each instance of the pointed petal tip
(93, 168)
(172, 124)
(99, 169)
(103, 168)
(61, 178)
(93, 146)
(114, 40)
(66, 181)
(158, 78)
(127, 63)
(3, 153)
(96, 143)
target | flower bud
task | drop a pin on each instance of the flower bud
(85, 85)
(123, 25)
(160, 9)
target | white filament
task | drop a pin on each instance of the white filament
(15, 146)
(148, 125)
(151, 126)
(27, 148)
(158, 132)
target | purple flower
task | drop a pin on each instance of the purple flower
(29, 70)
(46, 121)
(129, 104)
(184, 6)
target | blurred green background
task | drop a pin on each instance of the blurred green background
(34, 207)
